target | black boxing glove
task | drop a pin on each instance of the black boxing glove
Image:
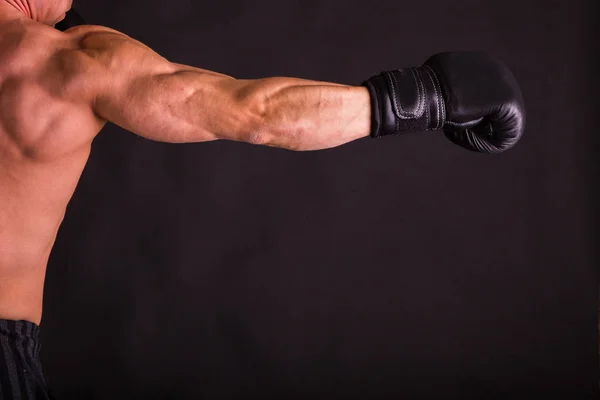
(72, 18)
(474, 98)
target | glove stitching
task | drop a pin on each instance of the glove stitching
(392, 81)
(427, 117)
(402, 113)
(417, 74)
(389, 77)
(437, 100)
(397, 109)
(441, 99)
(420, 91)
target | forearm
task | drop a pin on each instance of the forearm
(306, 115)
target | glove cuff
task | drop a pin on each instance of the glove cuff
(405, 100)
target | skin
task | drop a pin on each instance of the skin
(58, 90)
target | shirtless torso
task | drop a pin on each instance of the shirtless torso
(57, 91)
(45, 139)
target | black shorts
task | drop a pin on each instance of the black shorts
(21, 376)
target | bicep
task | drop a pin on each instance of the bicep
(144, 93)
(153, 105)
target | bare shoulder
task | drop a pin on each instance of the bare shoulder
(76, 65)
(98, 37)
(101, 59)
(61, 63)
(80, 52)
(48, 82)
(108, 47)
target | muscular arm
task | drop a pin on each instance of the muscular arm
(142, 92)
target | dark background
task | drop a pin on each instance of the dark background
(404, 267)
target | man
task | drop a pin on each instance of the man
(58, 89)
